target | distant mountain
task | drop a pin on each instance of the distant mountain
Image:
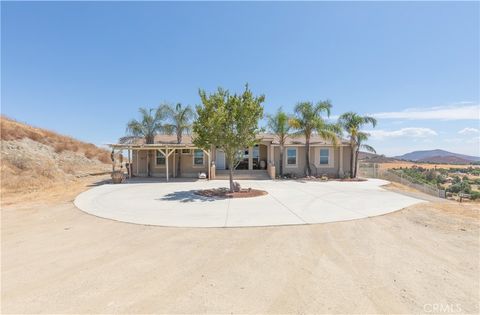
(438, 156)
(375, 158)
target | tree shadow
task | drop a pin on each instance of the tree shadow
(188, 196)
(100, 183)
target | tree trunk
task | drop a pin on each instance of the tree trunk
(179, 141)
(308, 170)
(231, 166)
(356, 161)
(281, 160)
(352, 158)
(230, 178)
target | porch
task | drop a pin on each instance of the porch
(166, 160)
(257, 162)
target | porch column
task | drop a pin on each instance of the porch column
(148, 164)
(340, 165)
(129, 163)
(250, 158)
(166, 162)
(207, 153)
(174, 168)
(138, 157)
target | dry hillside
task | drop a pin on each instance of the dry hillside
(34, 159)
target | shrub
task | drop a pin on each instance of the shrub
(475, 195)
(60, 147)
(89, 154)
(19, 162)
(462, 187)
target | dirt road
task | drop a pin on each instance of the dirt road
(57, 259)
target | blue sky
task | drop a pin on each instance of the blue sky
(83, 69)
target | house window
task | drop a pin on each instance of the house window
(160, 158)
(324, 156)
(186, 151)
(292, 156)
(198, 157)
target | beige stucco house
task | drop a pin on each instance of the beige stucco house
(259, 161)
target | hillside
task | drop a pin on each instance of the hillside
(438, 156)
(445, 159)
(374, 158)
(36, 159)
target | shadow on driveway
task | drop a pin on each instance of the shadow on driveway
(187, 196)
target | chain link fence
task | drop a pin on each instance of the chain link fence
(372, 170)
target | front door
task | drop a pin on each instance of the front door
(220, 159)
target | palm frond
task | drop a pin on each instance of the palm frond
(368, 148)
(370, 120)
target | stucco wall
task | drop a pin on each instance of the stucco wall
(187, 168)
(331, 170)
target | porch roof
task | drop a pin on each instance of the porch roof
(151, 146)
(163, 141)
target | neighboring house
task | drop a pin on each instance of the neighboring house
(259, 161)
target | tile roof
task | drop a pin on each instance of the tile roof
(268, 137)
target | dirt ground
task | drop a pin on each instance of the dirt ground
(57, 259)
(404, 164)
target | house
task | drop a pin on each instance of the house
(259, 161)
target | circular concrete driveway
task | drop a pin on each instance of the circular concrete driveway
(287, 202)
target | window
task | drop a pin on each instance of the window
(160, 158)
(324, 156)
(198, 157)
(291, 156)
(186, 151)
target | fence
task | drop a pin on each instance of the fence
(373, 170)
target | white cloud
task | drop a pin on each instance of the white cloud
(468, 131)
(461, 111)
(412, 132)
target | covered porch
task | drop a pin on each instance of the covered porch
(255, 161)
(166, 160)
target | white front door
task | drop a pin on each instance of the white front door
(219, 159)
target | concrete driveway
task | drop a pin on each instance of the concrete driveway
(288, 202)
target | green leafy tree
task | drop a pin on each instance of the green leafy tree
(179, 122)
(229, 122)
(308, 120)
(279, 124)
(147, 127)
(352, 124)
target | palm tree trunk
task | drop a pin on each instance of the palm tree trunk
(281, 161)
(179, 141)
(356, 161)
(352, 158)
(307, 157)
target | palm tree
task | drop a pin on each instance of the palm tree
(352, 123)
(362, 137)
(279, 124)
(147, 127)
(180, 123)
(308, 120)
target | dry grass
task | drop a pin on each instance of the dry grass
(399, 164)
(14, 130)
(35, 160)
